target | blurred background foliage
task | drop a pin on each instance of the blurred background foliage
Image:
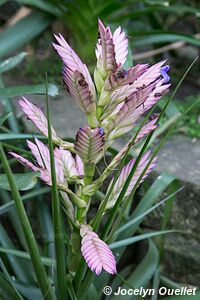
(156, 29)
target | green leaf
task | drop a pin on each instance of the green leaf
(42, 5)
(13, 219)
(142, 215)
(7, 206)
(132, 240)
(28, 291)
(157, 37)
(23, 182)
(21, 268)
(6, 290)
(29, 89)
(156, 284)
(11, 62)
(2, 2)
(8, 277)
(169, 283)
(152, 195)
(19, 136)
(184, 297)
(70, 288)
(8, 107)
(179, 10)
(92, 293)
(4, 117)
(46, 225)
(119, 278)
(143, 273)
(42, 279)
(23, 31)
(129, 59)
(45, 260)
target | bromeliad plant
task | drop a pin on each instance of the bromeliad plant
(114, 104)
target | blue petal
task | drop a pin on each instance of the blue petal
(164, 74)
(101, 130)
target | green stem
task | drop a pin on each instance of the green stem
(92, 120)
(74, 253)
(40, 273)
(89, 171)
(83, 290)
(57, 221)
(99, 111)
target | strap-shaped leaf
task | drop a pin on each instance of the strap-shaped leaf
(23, 181)
(96, 252)
(89, 143)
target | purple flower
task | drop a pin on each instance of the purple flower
(164, 74)
(101, 130)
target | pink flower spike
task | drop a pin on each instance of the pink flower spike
(147, 128)
(37, 117)
(96, 252)
(125, 173)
